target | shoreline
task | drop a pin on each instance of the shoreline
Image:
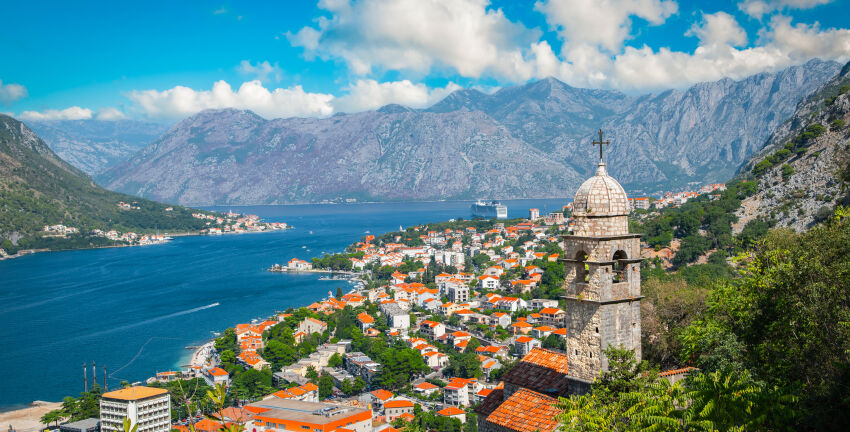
(27, 418)
(27, 252)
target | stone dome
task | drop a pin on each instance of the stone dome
(601, 195)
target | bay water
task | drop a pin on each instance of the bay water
(136, 309)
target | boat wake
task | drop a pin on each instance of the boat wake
(148, 321)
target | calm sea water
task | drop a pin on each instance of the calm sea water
(135, 309)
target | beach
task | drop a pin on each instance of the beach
(27, 419)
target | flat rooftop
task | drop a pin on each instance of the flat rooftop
(306, 412)
(135, 393)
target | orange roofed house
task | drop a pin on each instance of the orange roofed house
(147, 407)
(275, 415)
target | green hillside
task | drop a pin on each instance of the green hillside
(38, 188)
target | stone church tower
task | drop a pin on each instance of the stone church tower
(602, 268)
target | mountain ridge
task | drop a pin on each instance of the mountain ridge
(38, 188)
(523, 141)
(95, 145)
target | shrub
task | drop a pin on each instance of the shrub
(787, 171)
(762, 167)
(836, 124)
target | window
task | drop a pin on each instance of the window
(582, 268)
(620, 266)
(597, 330)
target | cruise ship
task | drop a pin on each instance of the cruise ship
(489, 210)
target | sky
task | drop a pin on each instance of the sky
(163, 61)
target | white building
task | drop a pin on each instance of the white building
(216, 376)
(297, 264)
(147, 407)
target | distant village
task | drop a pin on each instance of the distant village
(228, 223)
(479, 304)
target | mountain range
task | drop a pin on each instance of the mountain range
(95, 145)
(532, 140)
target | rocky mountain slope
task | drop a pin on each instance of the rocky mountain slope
(803, 170)
(526, 141)
(38, 188)
(95, 145)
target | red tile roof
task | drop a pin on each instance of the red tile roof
(382, 394)
(526, 411)
(540, 370)
(450, 411)
(399, 403)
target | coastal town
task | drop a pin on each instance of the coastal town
(215, 224)
(456, 325)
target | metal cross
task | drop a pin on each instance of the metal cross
(600, 143)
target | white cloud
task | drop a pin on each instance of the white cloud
(367, 94)
(782, 45)
(802, 41)
(110, 113)
(263, 71)
(602, 23)
(182, 101)
(71, 113)
(468, 37)
(719, 29)
(361, 95)
(418, 36)
(11, 92)
(759, 8)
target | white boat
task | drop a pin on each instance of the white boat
(489, 210)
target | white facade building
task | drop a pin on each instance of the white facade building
(147, 407)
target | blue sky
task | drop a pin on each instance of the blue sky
(164, 60)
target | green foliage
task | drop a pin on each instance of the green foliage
(690, 249)
(787, 321)
(429, 421)
(85, 406)
(762, 167)
(554, 341)
(333, 262)
(227, 341)
(630, 398)
(351, 388)
(192, 391)
(54, 416)
(399, 365)
(335, 360)
(669, 305)
(464, 365)
(752, 232)
(836, 124)
(252, 384)
(787, 171)
(37, 189)
(326, 386)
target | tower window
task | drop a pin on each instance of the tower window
(576, 352)
(597, 330)
(591, 355)
(582, 268)
(620, 266)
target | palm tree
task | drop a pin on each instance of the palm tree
(129, 426)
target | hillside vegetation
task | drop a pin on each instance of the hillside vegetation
(762, 310)
(37, 188)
